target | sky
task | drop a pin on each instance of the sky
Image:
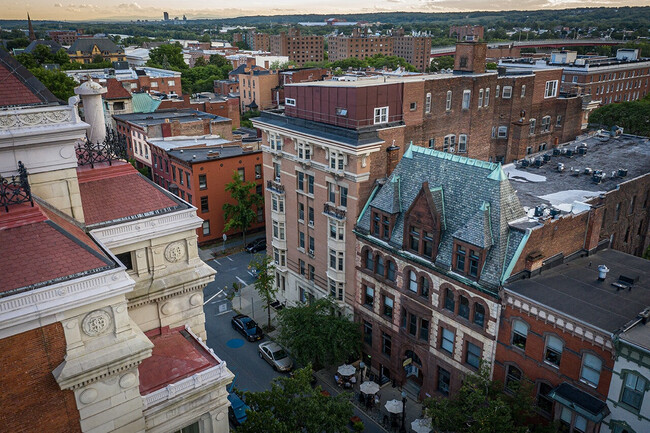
(153, 9)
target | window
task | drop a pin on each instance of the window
(633, 390)
(311, 216)
(290, 102)
(390, 275)
(258, 171)
(301, 212)
(413, 106)
(203, 182)
(591, 366)
(413, 282)
(336, 290)
(447, 341)
(519, 334)
(544, 402)
(336, 260)
(367, 333)
(448, 101)
(275, 141)
(381, 115)
(448, 143)
(546, 123)
(336, 230)
(473, 263)
(450, 303)
(301, 240)
(432, 143)
(369, 297)
(513, 376)
(187, 177)
(460, 258)
(480, 98)
(240, 172)
(171, 83)
(414, 239)
(206, 227)
(462, 143)
(180, 176)
(125, 259)
(427, 104)
(473, 355)
(380, 266)
(388, 307)
(189, 198)
(497, 92)
(385, 344)
(551, 89)
(531, 131)
(385, 227)
(553, 350)
(204, 204)
(424, 330)
(301, 265)
(343, 192)
(424, 286)
(467, 97)
(502, 132)
(507, 92)
(276, 171)
(479, 314)
(337, 160)
(444, 379)
(494, 132)
(304, 151)
(558, 120)
(463, 307)
(331, 192)
(310, 184)
(523, 90)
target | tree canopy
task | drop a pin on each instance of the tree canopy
(201, 78)
(633, 116)
(57, 82)
(264, 283)
(292, 405)
(167, 56)
(241, 214)
(316, 334)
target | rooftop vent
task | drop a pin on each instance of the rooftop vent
(622, 172)
(602, 272)
(539, 211)
(560, 167)
(556, 152)
(525, 163)
(546, 157)
(588, 171)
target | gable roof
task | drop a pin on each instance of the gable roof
(52, 45)
(85, 45)
(475, 201)
(115, 90)
(19, 86)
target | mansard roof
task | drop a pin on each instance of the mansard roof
(474, 199)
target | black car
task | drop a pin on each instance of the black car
(256, 245)
(247, 327)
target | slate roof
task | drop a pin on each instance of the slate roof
(474, 198)
(52, 45)
(241, 69)
(19, 86)
(85, 45)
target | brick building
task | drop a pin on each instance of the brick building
(95, 295)
(416, 50)
(137, 79)
(226, 87)
(66, 37)
(255, 87)
(200, 171)
(137, 128)
(606, 79)
(558, 330)
(467, 33)
(299, 48)
(432, 250)
(206, 102)
(257, 41)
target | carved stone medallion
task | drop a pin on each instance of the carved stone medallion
(174, 252)
(96, 323)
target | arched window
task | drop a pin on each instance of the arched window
(370, 262)
(450, 303)
(413, 282)
(391, 270)
(513, 376)
(463, 308)
(424, 286)
(591, 366)
(380, 265)
(479, 314)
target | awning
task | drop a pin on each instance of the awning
(581, 402)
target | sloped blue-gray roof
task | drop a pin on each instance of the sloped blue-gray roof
(475, 200)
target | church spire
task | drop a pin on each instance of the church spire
(32, 35)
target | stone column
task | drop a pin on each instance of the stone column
(91, 95)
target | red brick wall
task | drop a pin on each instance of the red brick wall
(31, 400)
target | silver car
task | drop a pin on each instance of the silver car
(275, 355)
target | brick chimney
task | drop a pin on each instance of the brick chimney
(470, 57)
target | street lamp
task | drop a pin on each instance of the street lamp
(403, 428)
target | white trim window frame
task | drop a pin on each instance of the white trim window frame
(462, 143)
(550, 91)
(427, 103)
(480, 98)
(507, 92)
(290, 102)
(467, 99)
(486, 102)
(448, 101)
(381, 115)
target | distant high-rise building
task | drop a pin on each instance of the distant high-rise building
(166, 16)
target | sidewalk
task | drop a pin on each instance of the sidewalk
(232, 245)
(247, 301)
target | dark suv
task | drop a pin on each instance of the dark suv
(247, 327)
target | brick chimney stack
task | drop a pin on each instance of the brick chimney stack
(470, 57)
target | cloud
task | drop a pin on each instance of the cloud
(58, 5)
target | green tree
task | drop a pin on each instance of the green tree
(292, 405)
(27, 60)
(442, 62)
(172, 53)
(316, 334)
(205, 38)
(61, 57)
(98, 58)
(42, 54)
(491, 66)
(246, 117)
(200, 62)
(220, 61)
(17, 43)
(242, 45)
(57, 82)
(241, 215)
(264, 283)
(481, 406)
(633, 117)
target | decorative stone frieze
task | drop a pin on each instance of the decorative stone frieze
(96, 323)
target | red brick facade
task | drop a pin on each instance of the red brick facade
(299, 48)
(29, 391)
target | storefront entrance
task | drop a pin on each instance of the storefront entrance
(413, 373)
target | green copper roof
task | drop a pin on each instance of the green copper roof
(144, 103)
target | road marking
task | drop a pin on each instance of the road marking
(217, 262)
(228, 257)
(251, 273)
(214, 296)
(241, 281)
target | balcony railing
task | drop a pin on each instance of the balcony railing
(334, 211)
(275, 186)
(15, 190)
(112, 148)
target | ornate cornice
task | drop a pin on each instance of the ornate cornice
(41, 116)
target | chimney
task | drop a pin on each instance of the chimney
(470, 57)
(91, 96)
(392, 159)
(602, 272)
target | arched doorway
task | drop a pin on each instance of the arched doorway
(412, 373)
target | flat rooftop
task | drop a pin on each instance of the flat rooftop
(638, 335)
(184, 141)
(546, 185)
(172, 115)
(380, 80)
(203, 154)
(573, 289)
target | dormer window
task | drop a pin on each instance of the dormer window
(468, 259)
(382, 225)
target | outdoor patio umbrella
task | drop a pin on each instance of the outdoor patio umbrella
(369, 388)
(421, 425)
(346, 370)
(394, 406)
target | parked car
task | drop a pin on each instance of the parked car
(256, 245)
(247, 327)
(275, 355)
(237, 410)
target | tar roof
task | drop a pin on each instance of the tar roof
(474, 199)
(164, 116)
(118, 193)
(573, 289)
(19, 86)
(202, 154)
(639, 335)
(545, 185)
(41, 247)
(381, 80)
(184, 141)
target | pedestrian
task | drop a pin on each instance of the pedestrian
(377, 399)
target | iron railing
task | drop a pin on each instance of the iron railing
(15, 190)
(112, 148)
